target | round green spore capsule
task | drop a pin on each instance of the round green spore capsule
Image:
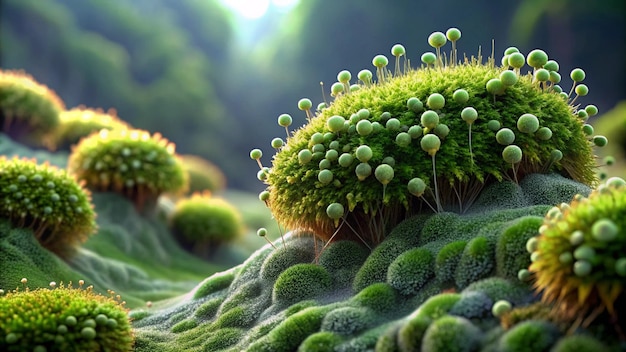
(620, 267)
(305, 104)
(262, 232)
(362, 171)
(582, 268)
(414, 104)
(344, 76)
(429, 119)
(544, 133)
(384, 173)
(508, 77)
(346, 159)
(591, 110)
(277, 143)
(566, 258)
(403, 139)
(335, 123)
(500, 308)
(429, 58)
(537, 58)
(469, 114)
(337, 88)
(584, 252)
(430, 143)
(495, 86)
(264, 196)
(512, 154)
(453, 34)
(588, 129)
(582, 90)
(493, 125)
(364, 127)
(332, 154)
(285, 120)
(528, 123)
(460, 96)
(415, 131)
(324, 164)
(604, 230)
(600, 141)
(317, 138)
(325, 176)
(441, 130)
(437, 39)
(505, 136)
(363, 153)
(335, 211)
(398, 50)
(380, 61)
(393, 124)
(436, 101)
(88, 333)
(256, 154)
(551, 65)
(416, 186)
(510, 50)
(577, 75)
(542, 75)
(517, 60)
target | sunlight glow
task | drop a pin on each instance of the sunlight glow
(255, 9)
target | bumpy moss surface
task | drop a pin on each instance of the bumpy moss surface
(363, 150)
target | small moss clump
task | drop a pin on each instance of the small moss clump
(48, 201)
(203, 175)
(203, 222)
(63, 319)
(29, 111)
(578, 259)
(80, 122)
(133, 163)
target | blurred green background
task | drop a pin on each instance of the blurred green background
(213, 79)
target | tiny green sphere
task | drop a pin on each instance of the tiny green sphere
(493, 125)
(346, 159)
(416, 186)
(531, 244)
(285, 120)
(11, 338)
(334, 145)
(380, 61)
(555, 77)
(337, 88)
(615, 182)
(517, 60)
(588, 129)
(441, 130)
(344, 76)
(609, 160)
(277, 143)
(551, 65)
(403, 139)
(537, 58)
(364, 153)
(304, 156)
(261, 175)
(544, 133)
(523, 275)
(430, 143)
(582, 90)
(256, 154)
(335, 211)
(393, 124)
(600, 141)
(436, 101)
(398, 50)
(363, 114)
(582, 268)
(577, 237)
(505, 61)
(620, 267)
(512, 154)
(325, 176)
(584, 252)
(508, 78)
(542, 75)
(364, 127)
(556, 155)
(321, 106)
(429, 58)
(453, 34)
(495, 86)
(317, 137)
(354, 87)
(88, 333)
(557, 88)
(604, 230)
(332, 155)
(324, 164)
(415, 131)
(414, 104)
(510, 50)
(362, 171)
(500, 308)
(577, 75)
(384, 173)
(264, 196)
(101, 319)
(389, 160)
(305, 104)
(528, 123)
(469, 114)
(70, 320)
(335, 123)
(262, 232)
(385, 116)
(365, 76)
(460, 96)
(582, 114)
(564, 95)
(429, 119)
(566, 258)
(437, 39)
(505, 136)
(591, 110)
(318, 148)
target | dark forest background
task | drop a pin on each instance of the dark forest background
(215, 84)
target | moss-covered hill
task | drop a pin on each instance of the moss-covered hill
(432, 283)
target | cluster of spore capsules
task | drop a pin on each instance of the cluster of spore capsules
(425, 139)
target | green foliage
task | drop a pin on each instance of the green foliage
(579, 343)
(80, 122)
(530, 335)
(29, 111)
(438, 305)
(222, 339)
(343, 259)
(578, 257)
(208, 308)
(184, 325)
(411, 270)
(380, 297)
(476, 261)
(283, 257)
(551, 189)
(214, 283)
(320, 341)
(453, 334)
(410, 334)
(63, 318)
(300, 282)
(511, 255)
(447, 261)
(47, 200)
(497, 288)
(348, 320)
(472, 305)
(130, 162)
(203, 221)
